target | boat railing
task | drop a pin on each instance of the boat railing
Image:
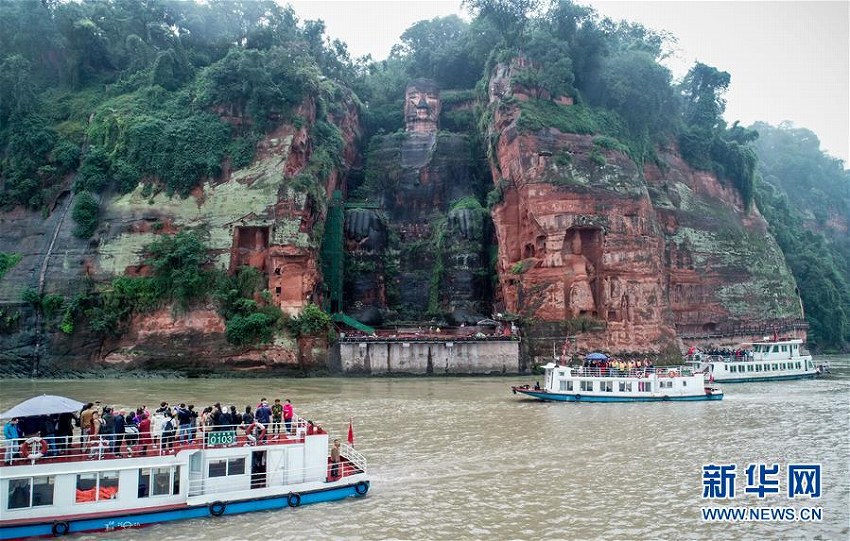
(641, 372)
(353, 456)
(81, 447)
(204, 486)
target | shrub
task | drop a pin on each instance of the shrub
(7, 261)
(51, 304)
(256, 327)
(312, 321)
(85, 214)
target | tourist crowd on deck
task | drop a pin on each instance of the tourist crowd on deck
(738, 354)
(103, 431)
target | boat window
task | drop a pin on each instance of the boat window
(733, 368)
(606, 386)
(224, 467)
(749, 368)
(622, 386)
(563, 385)
(30, 492)
(782, 366)
(775, 366)
(218, 468)
(236, 466)
(758, 368)
(586, 386)
(784, 348)
(776, 349)
(569, 385)
(684, 383)
(797, 365)
(97, 486)
(628, 386)
(163, 481)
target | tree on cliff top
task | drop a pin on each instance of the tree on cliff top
(703, 88)
(510, 17)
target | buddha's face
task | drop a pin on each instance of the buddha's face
(421, 108)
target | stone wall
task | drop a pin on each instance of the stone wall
(432, 357)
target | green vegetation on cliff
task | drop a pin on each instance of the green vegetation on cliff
(155, 92)
(7, 261)
(805, 196)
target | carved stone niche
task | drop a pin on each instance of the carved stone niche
(421, 106)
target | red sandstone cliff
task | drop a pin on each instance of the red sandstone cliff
(654, 254)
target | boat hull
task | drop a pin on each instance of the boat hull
(785, 377)
(144, 517)
(564, 397)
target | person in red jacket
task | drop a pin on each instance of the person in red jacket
(288, 413)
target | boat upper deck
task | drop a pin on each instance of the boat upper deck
(34, 449)
(633, 373)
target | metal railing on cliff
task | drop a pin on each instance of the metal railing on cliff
(764, 328)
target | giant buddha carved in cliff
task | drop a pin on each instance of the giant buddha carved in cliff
(416, 244)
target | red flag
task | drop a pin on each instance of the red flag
(350, 433)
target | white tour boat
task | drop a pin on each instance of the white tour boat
(595, 384)
(778, 359)
(224, 471)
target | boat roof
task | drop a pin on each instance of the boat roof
(778, 341)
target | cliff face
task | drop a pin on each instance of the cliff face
(649, 254)
(259, 216)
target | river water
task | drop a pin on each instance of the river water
(462, 458)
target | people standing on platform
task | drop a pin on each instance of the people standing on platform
(10, 437)
(335, 461)
(169, 431)
(64, 432)
(288, 413)
(263, 416)
(277, 415)
(183, 421)
(145, 438)
(85, 424)
(97, 446)
(118, 437)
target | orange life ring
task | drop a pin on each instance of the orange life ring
(28, 448)
(249, 432)
(672, 374)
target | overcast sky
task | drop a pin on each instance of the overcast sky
(788, 60)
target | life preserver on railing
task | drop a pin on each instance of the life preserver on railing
(34, 448)
(60, 528)
(672, 374)
(249, 432)
(294, 499)
(361, 488)
(578, 397)
(217, 508)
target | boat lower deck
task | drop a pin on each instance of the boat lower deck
(578, 397)
(107, 522)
